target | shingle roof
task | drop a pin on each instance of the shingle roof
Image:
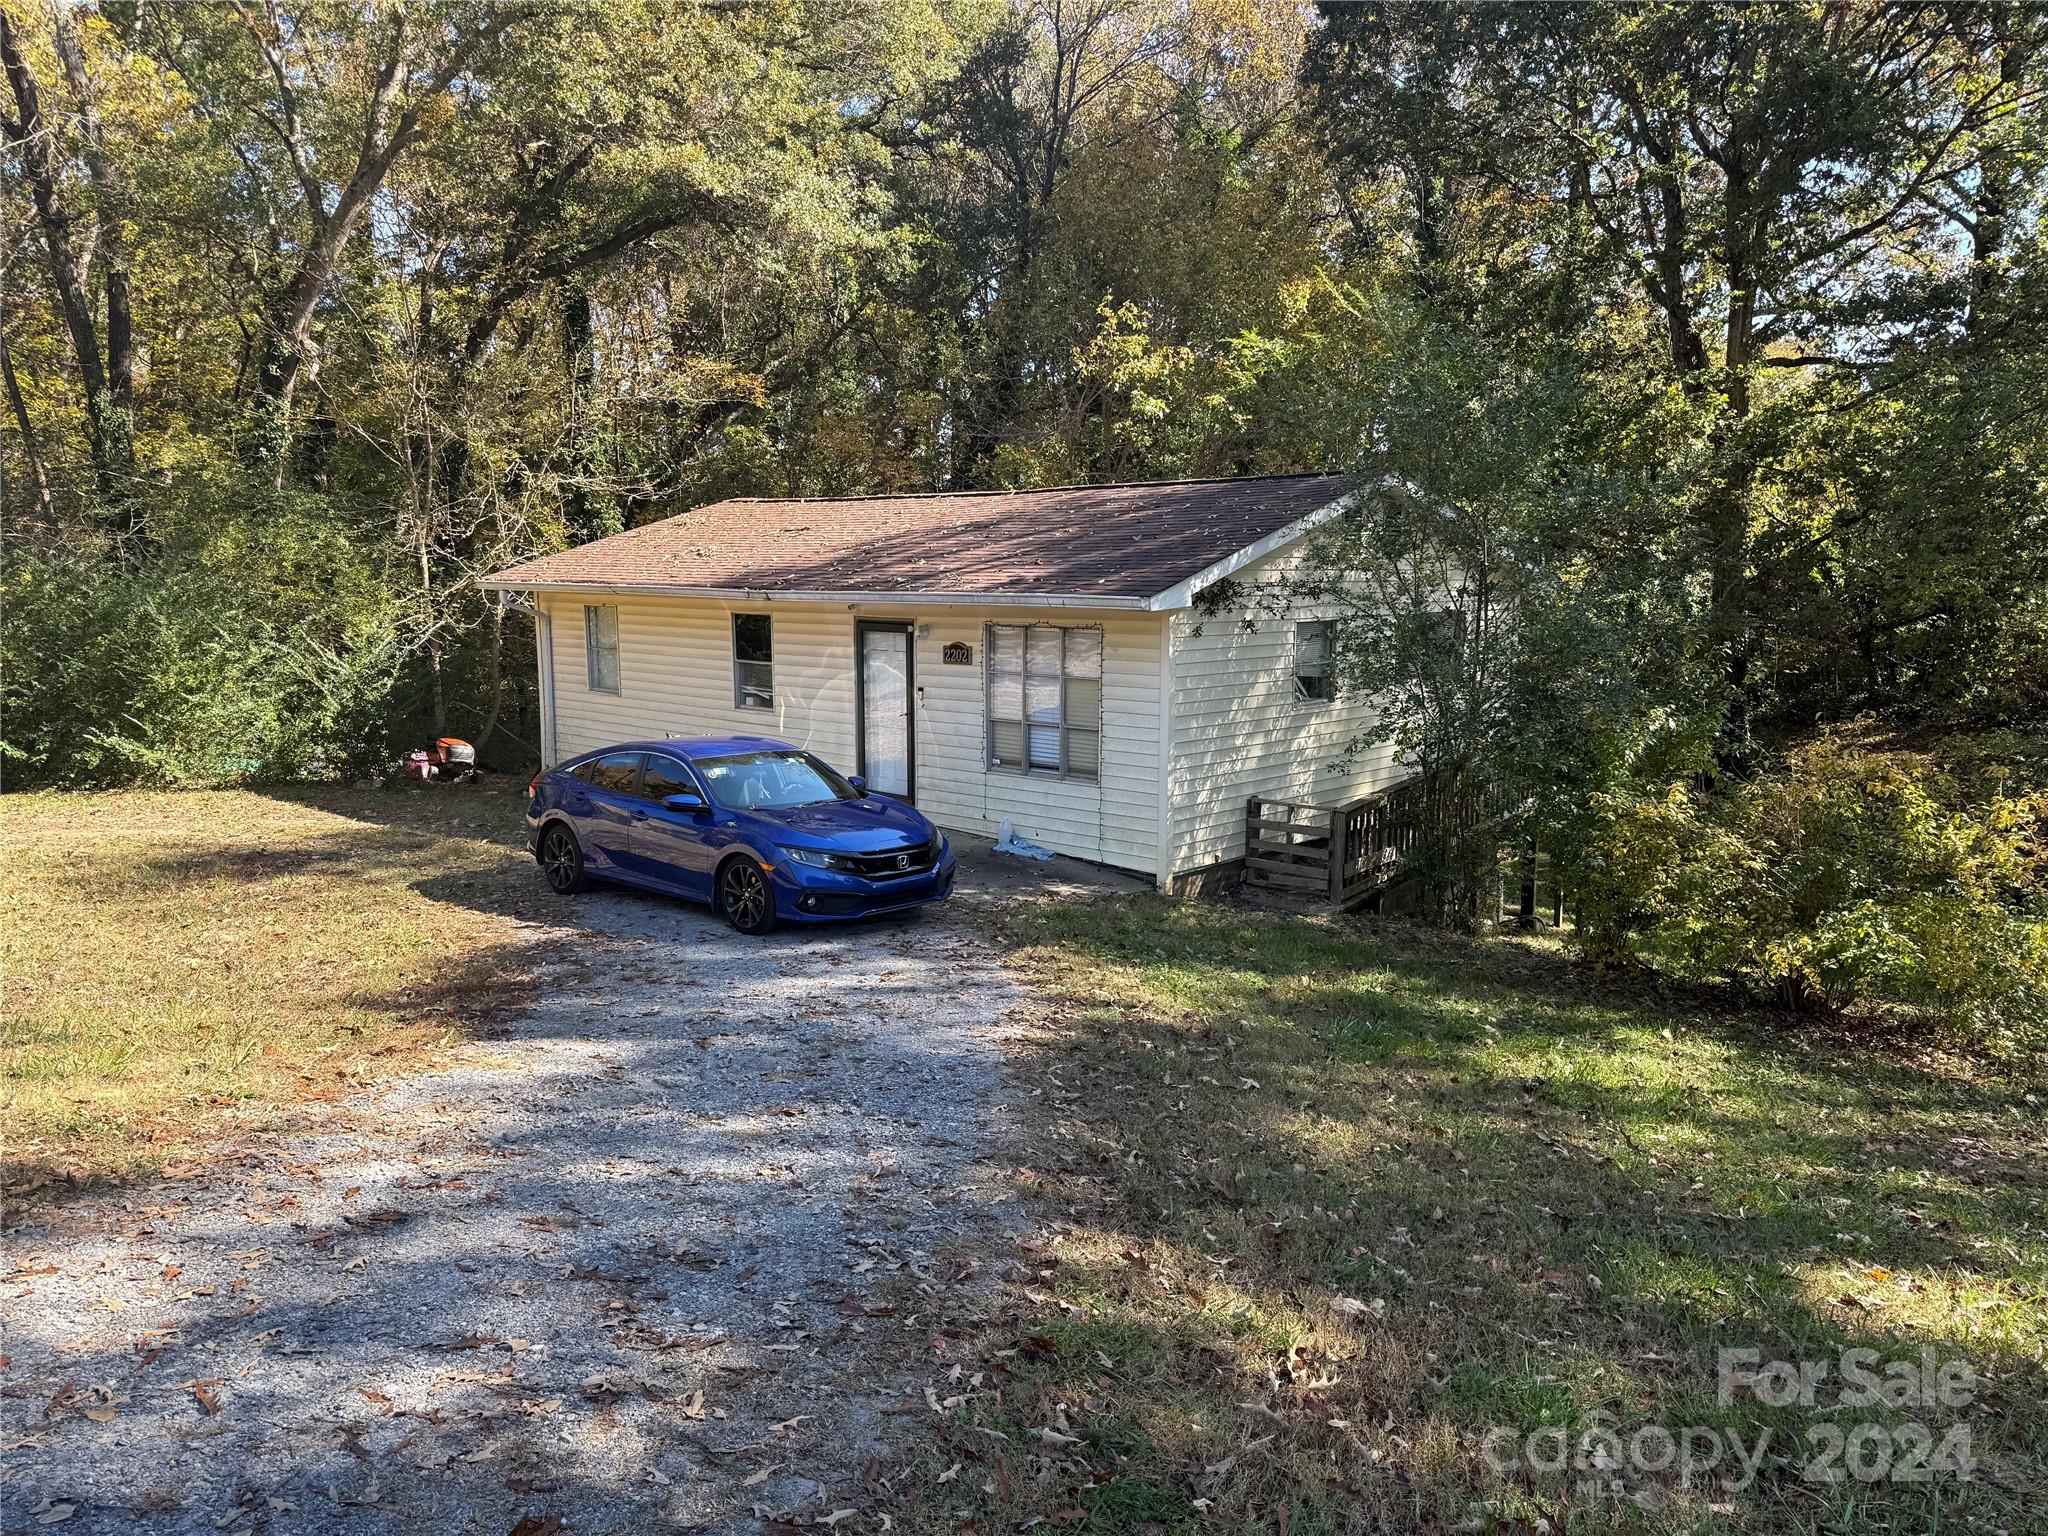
(1102, 541)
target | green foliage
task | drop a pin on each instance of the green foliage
(1845, 877)
(260, 645)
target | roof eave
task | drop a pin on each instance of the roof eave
(508, 582)
(1182, 593)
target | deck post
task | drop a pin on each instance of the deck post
(1337, 819)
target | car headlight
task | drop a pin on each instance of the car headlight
(817, 858)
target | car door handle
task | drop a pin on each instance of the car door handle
(639, 815)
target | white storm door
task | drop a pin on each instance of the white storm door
(887, 753)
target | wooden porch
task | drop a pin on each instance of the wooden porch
(1346, 855)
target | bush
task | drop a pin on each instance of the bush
(262, 647)
(1844, 877)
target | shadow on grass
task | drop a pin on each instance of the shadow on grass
(243, 957)
(1553, 1202)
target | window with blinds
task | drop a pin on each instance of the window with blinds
(1045, 699)
(601, 646)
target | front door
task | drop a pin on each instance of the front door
(888, 756)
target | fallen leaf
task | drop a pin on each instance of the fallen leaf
(1351, 1309)
(756, 1479)
(208, 1398)
(537, 1525)
(47, 1513)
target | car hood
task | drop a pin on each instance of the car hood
(867, 825)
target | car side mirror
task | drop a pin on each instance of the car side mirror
(684, 803)
(858, 782)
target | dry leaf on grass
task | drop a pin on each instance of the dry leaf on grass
(1351, 1309)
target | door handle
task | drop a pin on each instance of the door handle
(639, 815)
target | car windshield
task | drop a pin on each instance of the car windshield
(771, 781)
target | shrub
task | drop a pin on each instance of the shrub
(1844, 877)
(261, 647)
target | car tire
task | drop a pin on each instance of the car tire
(744, 897)
(561, 861)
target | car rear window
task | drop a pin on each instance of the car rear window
(614, 771)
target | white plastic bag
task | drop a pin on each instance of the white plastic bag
(1007, 841)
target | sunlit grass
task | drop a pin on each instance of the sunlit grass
(171, 956)
(1543, 1199)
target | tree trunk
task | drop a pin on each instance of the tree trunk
(1526, 914)
(29, 446)
(108, 439)
(497, 684)
(110, 182)
(1728, 508)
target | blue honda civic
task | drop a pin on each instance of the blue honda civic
(762, 831)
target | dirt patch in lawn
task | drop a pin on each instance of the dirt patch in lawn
(176, 961)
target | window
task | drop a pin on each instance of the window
(1315, 651)
(615, 772)
(601, 646)
(664, 777)
(1045, 699)
(753, 661)
(772, 781)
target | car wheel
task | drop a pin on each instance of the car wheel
(561, 861)
(744, 897)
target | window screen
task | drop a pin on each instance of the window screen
(753, 661)
(1315, 650)
(1045, 699)
(601, 645)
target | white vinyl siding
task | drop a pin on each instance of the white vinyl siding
(1172, 774)
(1240, 727)
(676, 660)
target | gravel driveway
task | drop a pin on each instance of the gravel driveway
(677, 1249)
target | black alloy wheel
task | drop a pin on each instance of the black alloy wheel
(561, 861)
(744, 897)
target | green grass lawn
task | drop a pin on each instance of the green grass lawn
(172, 957)
(1332, 1202)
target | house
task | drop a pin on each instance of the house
(1036, 657)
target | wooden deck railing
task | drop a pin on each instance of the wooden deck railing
(1346, 854)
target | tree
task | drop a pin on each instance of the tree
(77, 246)
(1750, 179)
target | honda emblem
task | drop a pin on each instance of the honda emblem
(903, 861)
